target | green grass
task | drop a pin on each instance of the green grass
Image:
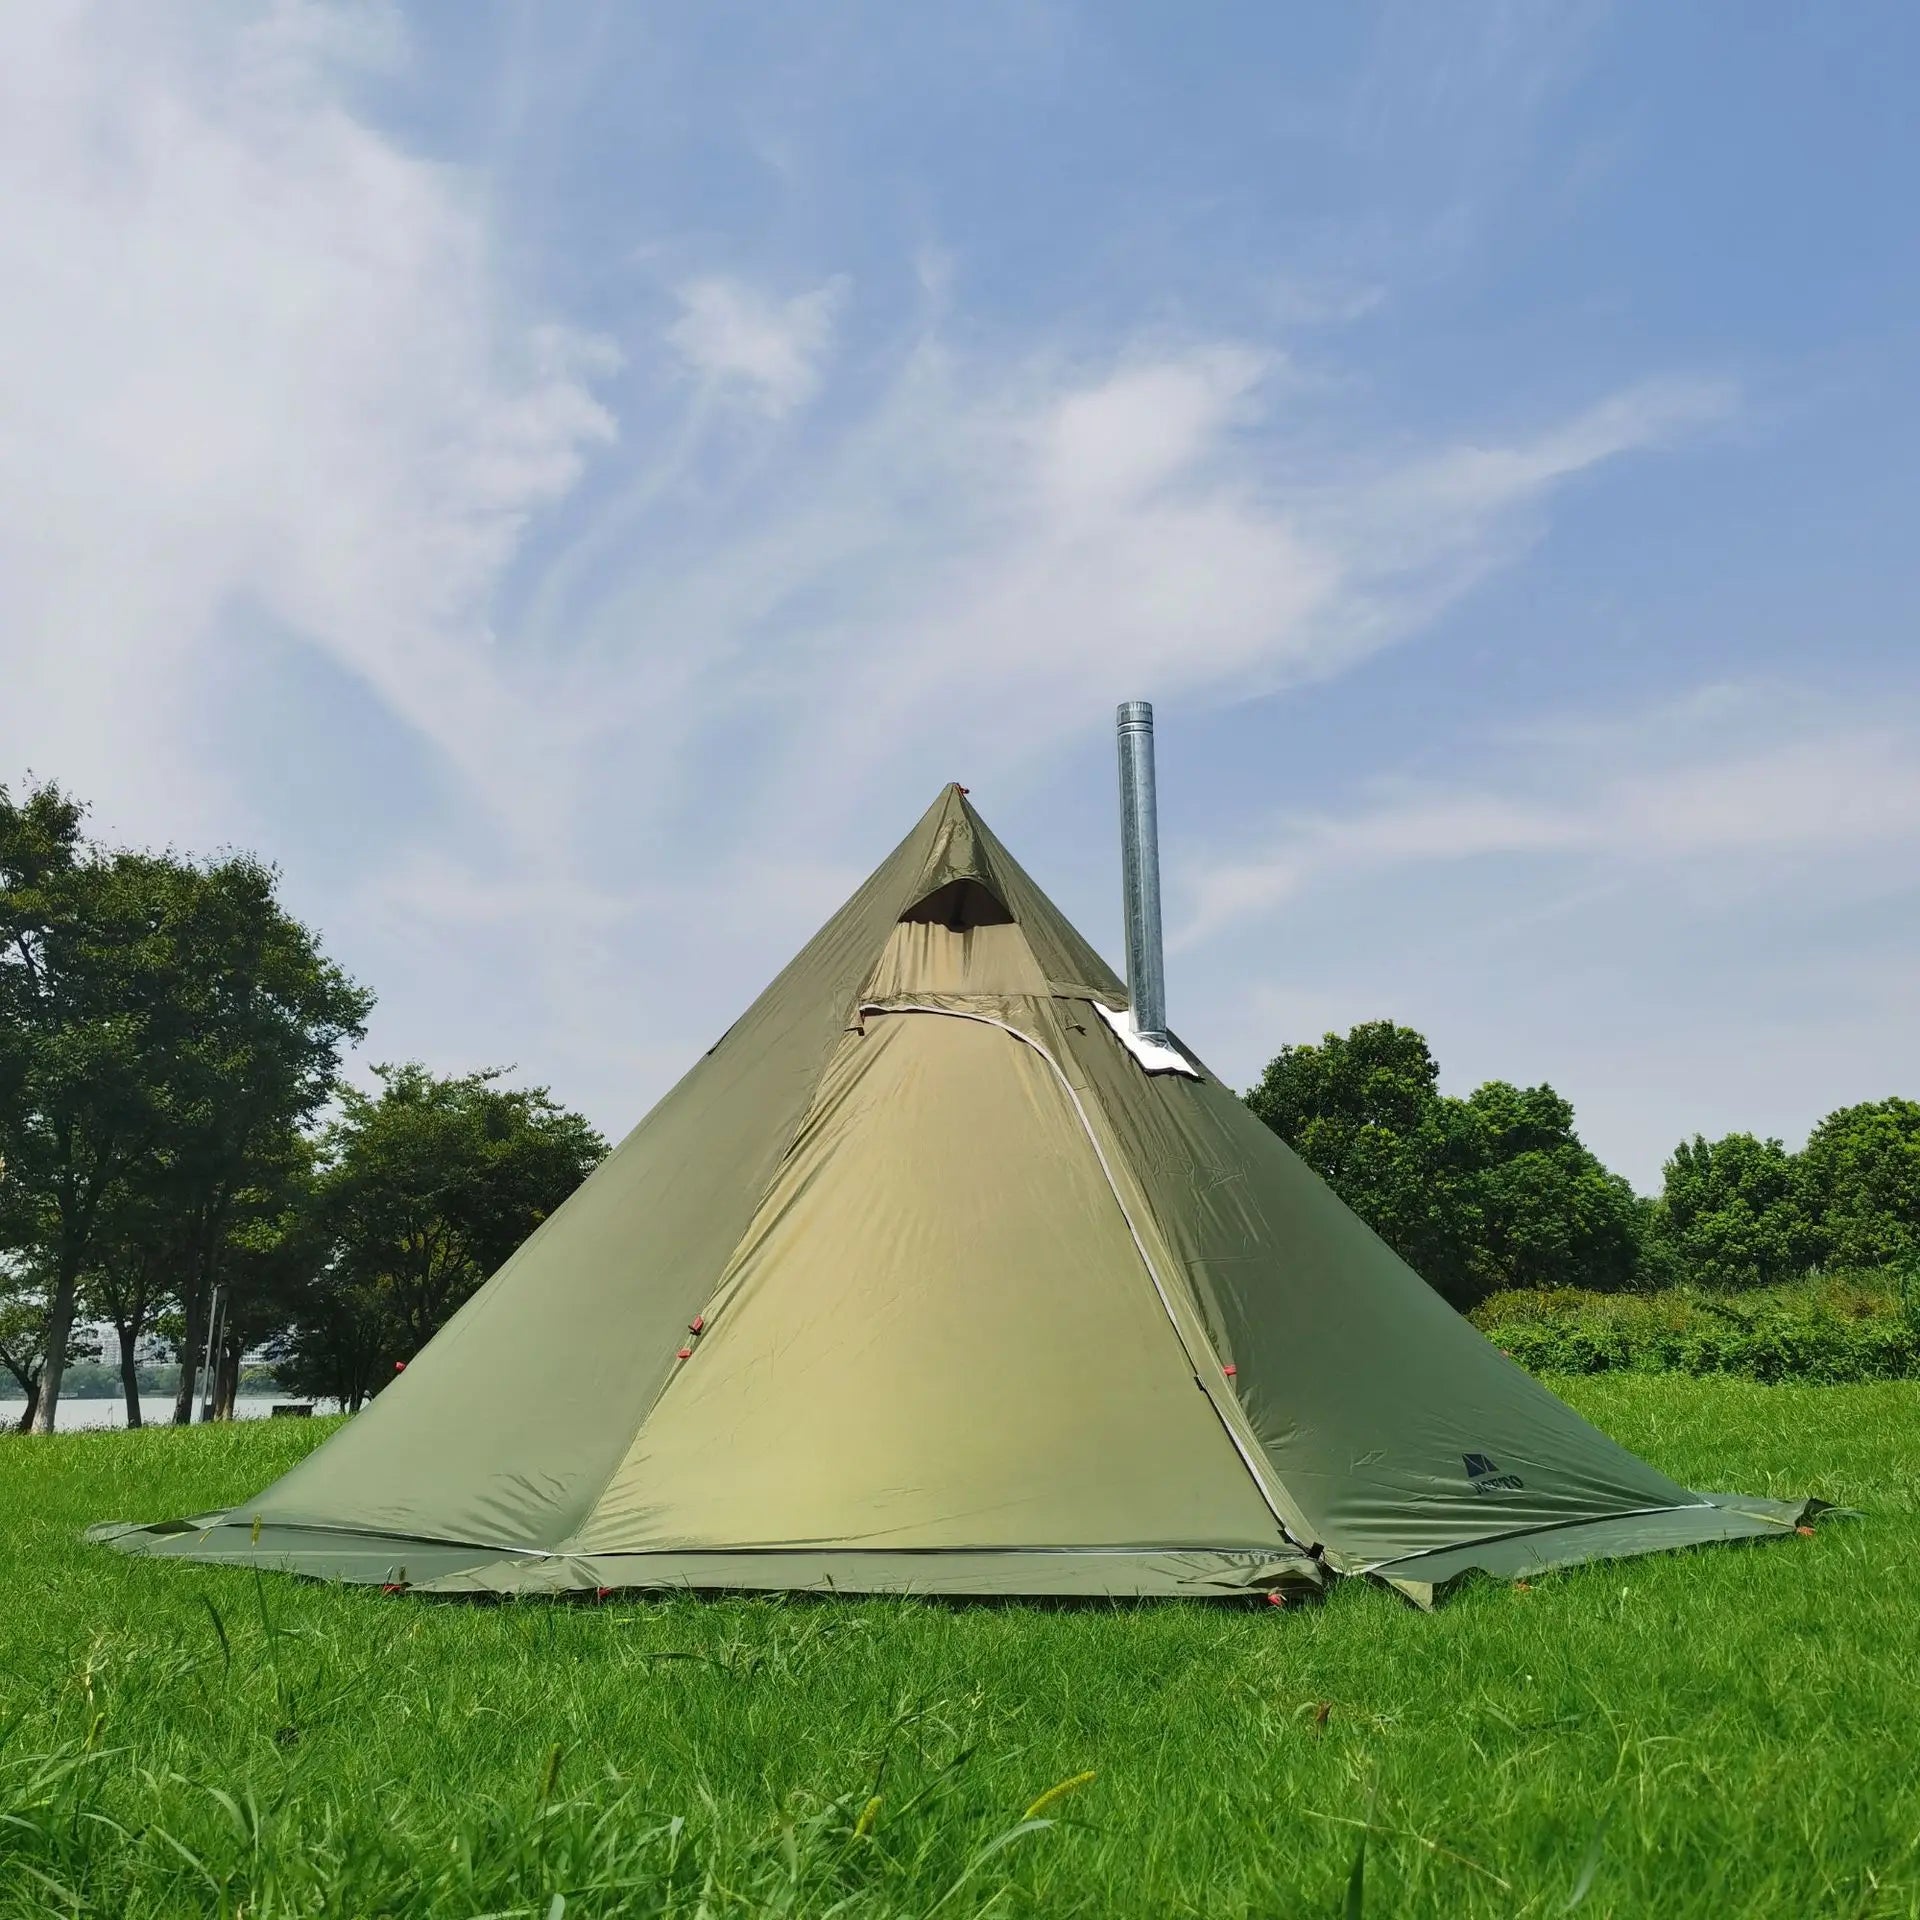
(1718, 1733)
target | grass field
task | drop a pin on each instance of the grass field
(1733, 1731)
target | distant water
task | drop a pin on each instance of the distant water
(156, 1410)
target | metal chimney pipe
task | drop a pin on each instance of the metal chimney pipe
(1140, 870)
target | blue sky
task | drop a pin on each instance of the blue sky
(569, 484)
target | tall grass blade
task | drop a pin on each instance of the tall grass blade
(1590, 1862)
(59, 1892)
(1356, 1906)
(1356, 1903)
(219, 1633)
(997, 1844)
(288, 1731)
(192, 1859)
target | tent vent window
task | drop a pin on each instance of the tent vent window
(958, 905)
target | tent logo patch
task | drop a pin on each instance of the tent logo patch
(1484, 1477)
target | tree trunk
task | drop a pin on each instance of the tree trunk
(129, 1370)
(192, 1339)
(25, 1423)
(226, 1382)
(59, 1331)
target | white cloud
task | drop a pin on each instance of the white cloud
(1327, 301)
(1476, 479)
(1052, 533)
(1694, 917)
(1119, 441)
(255, 359)
(746, 342)
(1691, 784)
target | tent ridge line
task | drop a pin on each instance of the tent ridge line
(1133, 1233)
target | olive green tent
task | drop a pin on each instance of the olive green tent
(932, 1277)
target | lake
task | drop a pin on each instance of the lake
(156, 1410)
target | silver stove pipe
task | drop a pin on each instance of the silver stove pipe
(1140, 869)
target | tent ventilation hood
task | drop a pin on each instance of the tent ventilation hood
(1140, 871)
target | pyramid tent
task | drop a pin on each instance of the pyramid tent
(931, 1277)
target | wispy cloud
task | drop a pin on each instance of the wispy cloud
(1324, 300)
(1693, 915)
(255, 358)
(1752, 782)
(1048, 531)
(266, 355)
(746, 342)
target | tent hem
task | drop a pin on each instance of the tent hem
(437, 1567)
(1425, 1576)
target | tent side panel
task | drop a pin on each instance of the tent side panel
(507, 1425)
(928, 959)
(1392, 1424)
(936, 1334)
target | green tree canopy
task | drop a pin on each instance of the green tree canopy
(157, 1018)
(1733, 1213)
(1363, 1110)
(87, 1024)
(265, 1016)
(1549, 1214)
(427, 1187)
(1863, 1179)
(1476, 1195)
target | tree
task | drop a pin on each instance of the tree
(427, 1187)
(23, 1334)
(84, 1026)
(1733, 1213)
(275, 1244)
(265, 1017)
(1363, 1110)
(340, 1343)
(1862, 1168)
(1475, 1195)
(137, 1253)
(1550, 1215)
(157, 1020)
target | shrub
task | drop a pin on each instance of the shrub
(1831, 1327)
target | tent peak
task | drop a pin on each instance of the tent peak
(958, 865)
(953, 873)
